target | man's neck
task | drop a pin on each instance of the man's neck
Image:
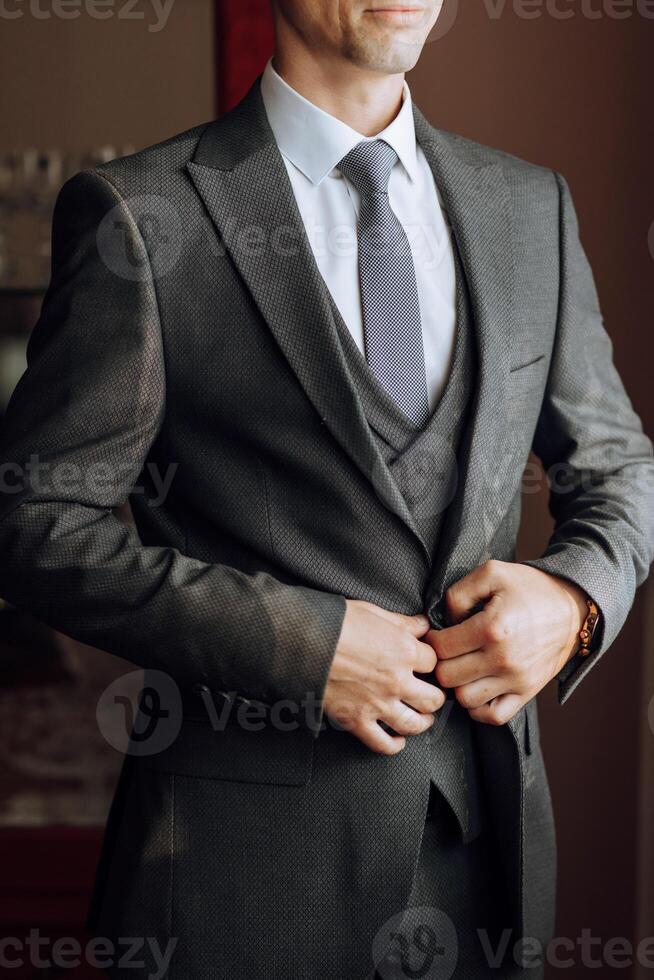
(364, 100)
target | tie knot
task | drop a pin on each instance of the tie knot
(368, 165)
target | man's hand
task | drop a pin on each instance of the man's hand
(372, 677)
(499, 658)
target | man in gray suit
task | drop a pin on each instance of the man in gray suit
(343, 331)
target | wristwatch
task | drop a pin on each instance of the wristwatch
(588, 628)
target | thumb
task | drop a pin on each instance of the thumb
(474, 589)
(416, 625)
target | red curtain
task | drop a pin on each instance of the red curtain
(244, 44)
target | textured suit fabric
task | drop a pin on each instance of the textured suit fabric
(457, 921)
(424, 465)
(186, 324)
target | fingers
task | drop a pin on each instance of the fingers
(373, 678)
(477, 585)
(403, 685)
(353, 716)
(484, 630)
(415, 625)
(480, 692)
(464, 669)
(500, 710)
(375, 738)
(424, 659)
(465, 637)
(422, 695)
(404, 720)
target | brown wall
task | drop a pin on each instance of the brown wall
(75, 84)
(573, 95)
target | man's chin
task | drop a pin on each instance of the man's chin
(392, 59)
(397, 66)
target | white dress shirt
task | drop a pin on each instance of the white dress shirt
(312, 142)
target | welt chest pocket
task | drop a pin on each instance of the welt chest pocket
(526, 378)
(524, 365)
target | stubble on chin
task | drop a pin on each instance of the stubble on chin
(382, 50)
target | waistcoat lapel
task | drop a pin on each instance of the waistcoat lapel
(423, 462)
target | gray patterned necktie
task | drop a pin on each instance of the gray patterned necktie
(389, 292)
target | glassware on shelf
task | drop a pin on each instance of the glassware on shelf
(24, 198)
(29, 183)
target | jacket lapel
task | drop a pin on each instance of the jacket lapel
(476, 199)
(240, 175)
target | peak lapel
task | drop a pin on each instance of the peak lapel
(477, 202)
(241, 177)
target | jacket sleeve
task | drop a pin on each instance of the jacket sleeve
(598, 460)
(75, 438)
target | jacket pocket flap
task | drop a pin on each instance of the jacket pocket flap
(238, 752)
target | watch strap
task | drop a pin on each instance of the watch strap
(588, 628)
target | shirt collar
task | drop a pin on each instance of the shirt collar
(314, 141)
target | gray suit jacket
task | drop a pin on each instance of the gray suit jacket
(186, 324)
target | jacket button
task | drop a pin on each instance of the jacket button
(436, 617)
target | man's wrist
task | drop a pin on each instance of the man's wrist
(580, 599)
(588, 622)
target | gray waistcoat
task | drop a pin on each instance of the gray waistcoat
(424, 466)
